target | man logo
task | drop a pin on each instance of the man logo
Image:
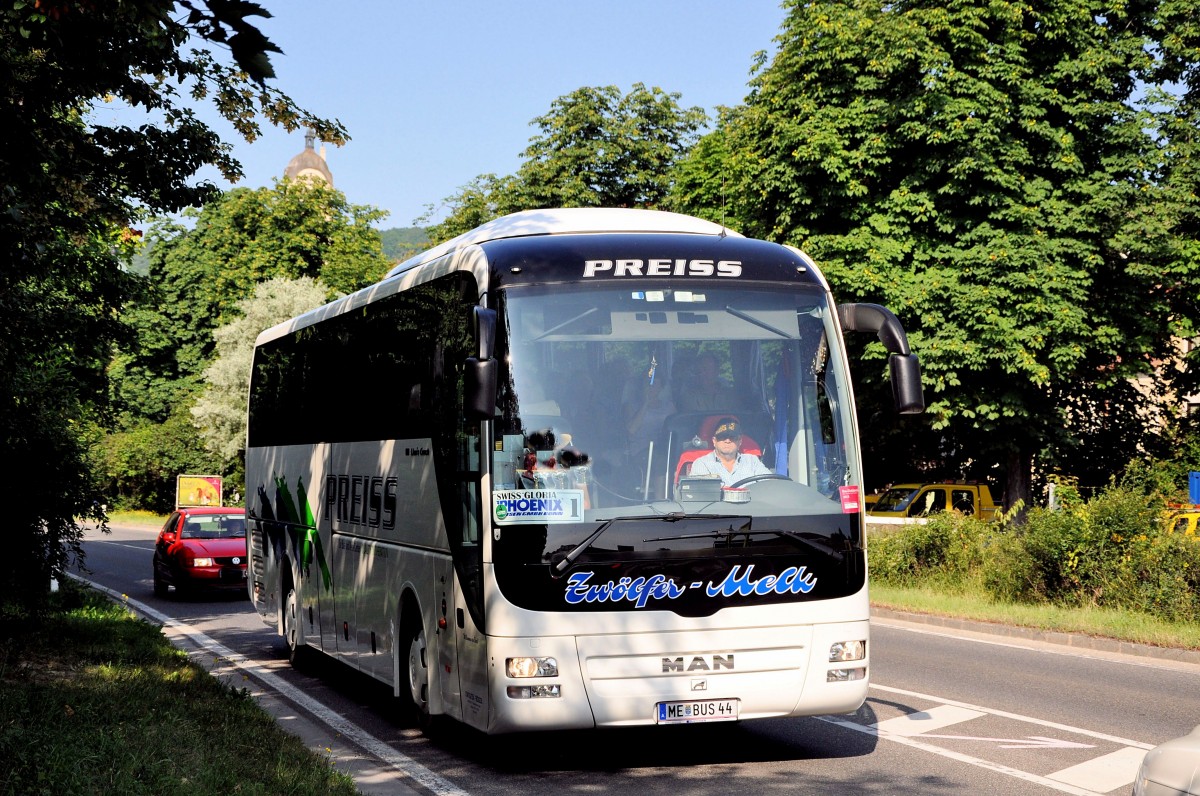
(699, 663)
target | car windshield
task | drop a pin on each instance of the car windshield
(895, 499)
(214, 526)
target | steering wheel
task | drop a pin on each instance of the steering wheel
(761, 477)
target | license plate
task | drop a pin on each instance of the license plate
(701, 710)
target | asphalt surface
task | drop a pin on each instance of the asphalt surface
(375, 776)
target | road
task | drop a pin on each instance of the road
(949, 712)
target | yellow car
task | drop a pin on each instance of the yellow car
(922, 500)
(1186, 522)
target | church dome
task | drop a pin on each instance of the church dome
(309, 165)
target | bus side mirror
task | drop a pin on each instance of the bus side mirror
(479, 376)
(903, 366)
(485, 332)
(906, 384)
(479, 389)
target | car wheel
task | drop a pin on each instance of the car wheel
(297, 652)
(160, 585)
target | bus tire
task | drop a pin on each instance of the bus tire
(298, 653)
(415, 686)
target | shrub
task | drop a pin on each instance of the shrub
(1113, 551)
(947, 548)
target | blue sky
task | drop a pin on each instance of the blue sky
(436, 93)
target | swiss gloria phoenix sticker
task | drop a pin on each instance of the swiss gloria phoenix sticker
(537, 505)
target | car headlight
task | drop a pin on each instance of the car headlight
(531, 667)
(202, 562)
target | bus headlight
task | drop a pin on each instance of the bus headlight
(553, 691)
(531, 667)
(847, 651)
(845, 675)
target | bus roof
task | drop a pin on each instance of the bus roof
(567, 221)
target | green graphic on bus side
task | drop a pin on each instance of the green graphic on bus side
(310, 544)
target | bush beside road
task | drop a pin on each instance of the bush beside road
(1117, 552)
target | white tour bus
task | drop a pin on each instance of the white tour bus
(474, 480)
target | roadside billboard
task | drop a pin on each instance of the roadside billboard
(197, 490)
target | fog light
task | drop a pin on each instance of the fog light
(844, 675)
(531, 667)
(847, 651)
(550, 690)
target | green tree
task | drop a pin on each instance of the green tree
(400, 243)
(72, 188)
(220, 412)
(140, 464)
(198, 274)
(595, 148)
(995, 174)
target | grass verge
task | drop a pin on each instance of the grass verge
(1105, 623)
(136, 518)
(94, 700)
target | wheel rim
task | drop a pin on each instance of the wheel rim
(418, 671)
(291, 631)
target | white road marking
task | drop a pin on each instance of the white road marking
(921, 722)
(1100, 775)
(1115, 770)
(1018, 717)
(1028, 742)
(1049, 649)
(142, 548)
(978, 762)
(402, 763)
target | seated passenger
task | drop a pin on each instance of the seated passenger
(726, 460)
(705, 389)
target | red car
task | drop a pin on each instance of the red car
(201, 548)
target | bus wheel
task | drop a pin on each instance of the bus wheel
(418, 673)
(297, 652)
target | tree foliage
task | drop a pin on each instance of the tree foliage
(141, 463)
(1011, 179)
(72, 189)
(400, 243)
(220, 412)
(595, 148)
(199, 274)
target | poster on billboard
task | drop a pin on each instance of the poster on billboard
(197, 490)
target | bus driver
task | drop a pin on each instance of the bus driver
(726, 460)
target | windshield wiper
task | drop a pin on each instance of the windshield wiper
(820, 548)
(674, 516)
(729, 534)
(578, 550)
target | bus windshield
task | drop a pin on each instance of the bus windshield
(616, 403)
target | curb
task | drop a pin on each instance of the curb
(1076, 640)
